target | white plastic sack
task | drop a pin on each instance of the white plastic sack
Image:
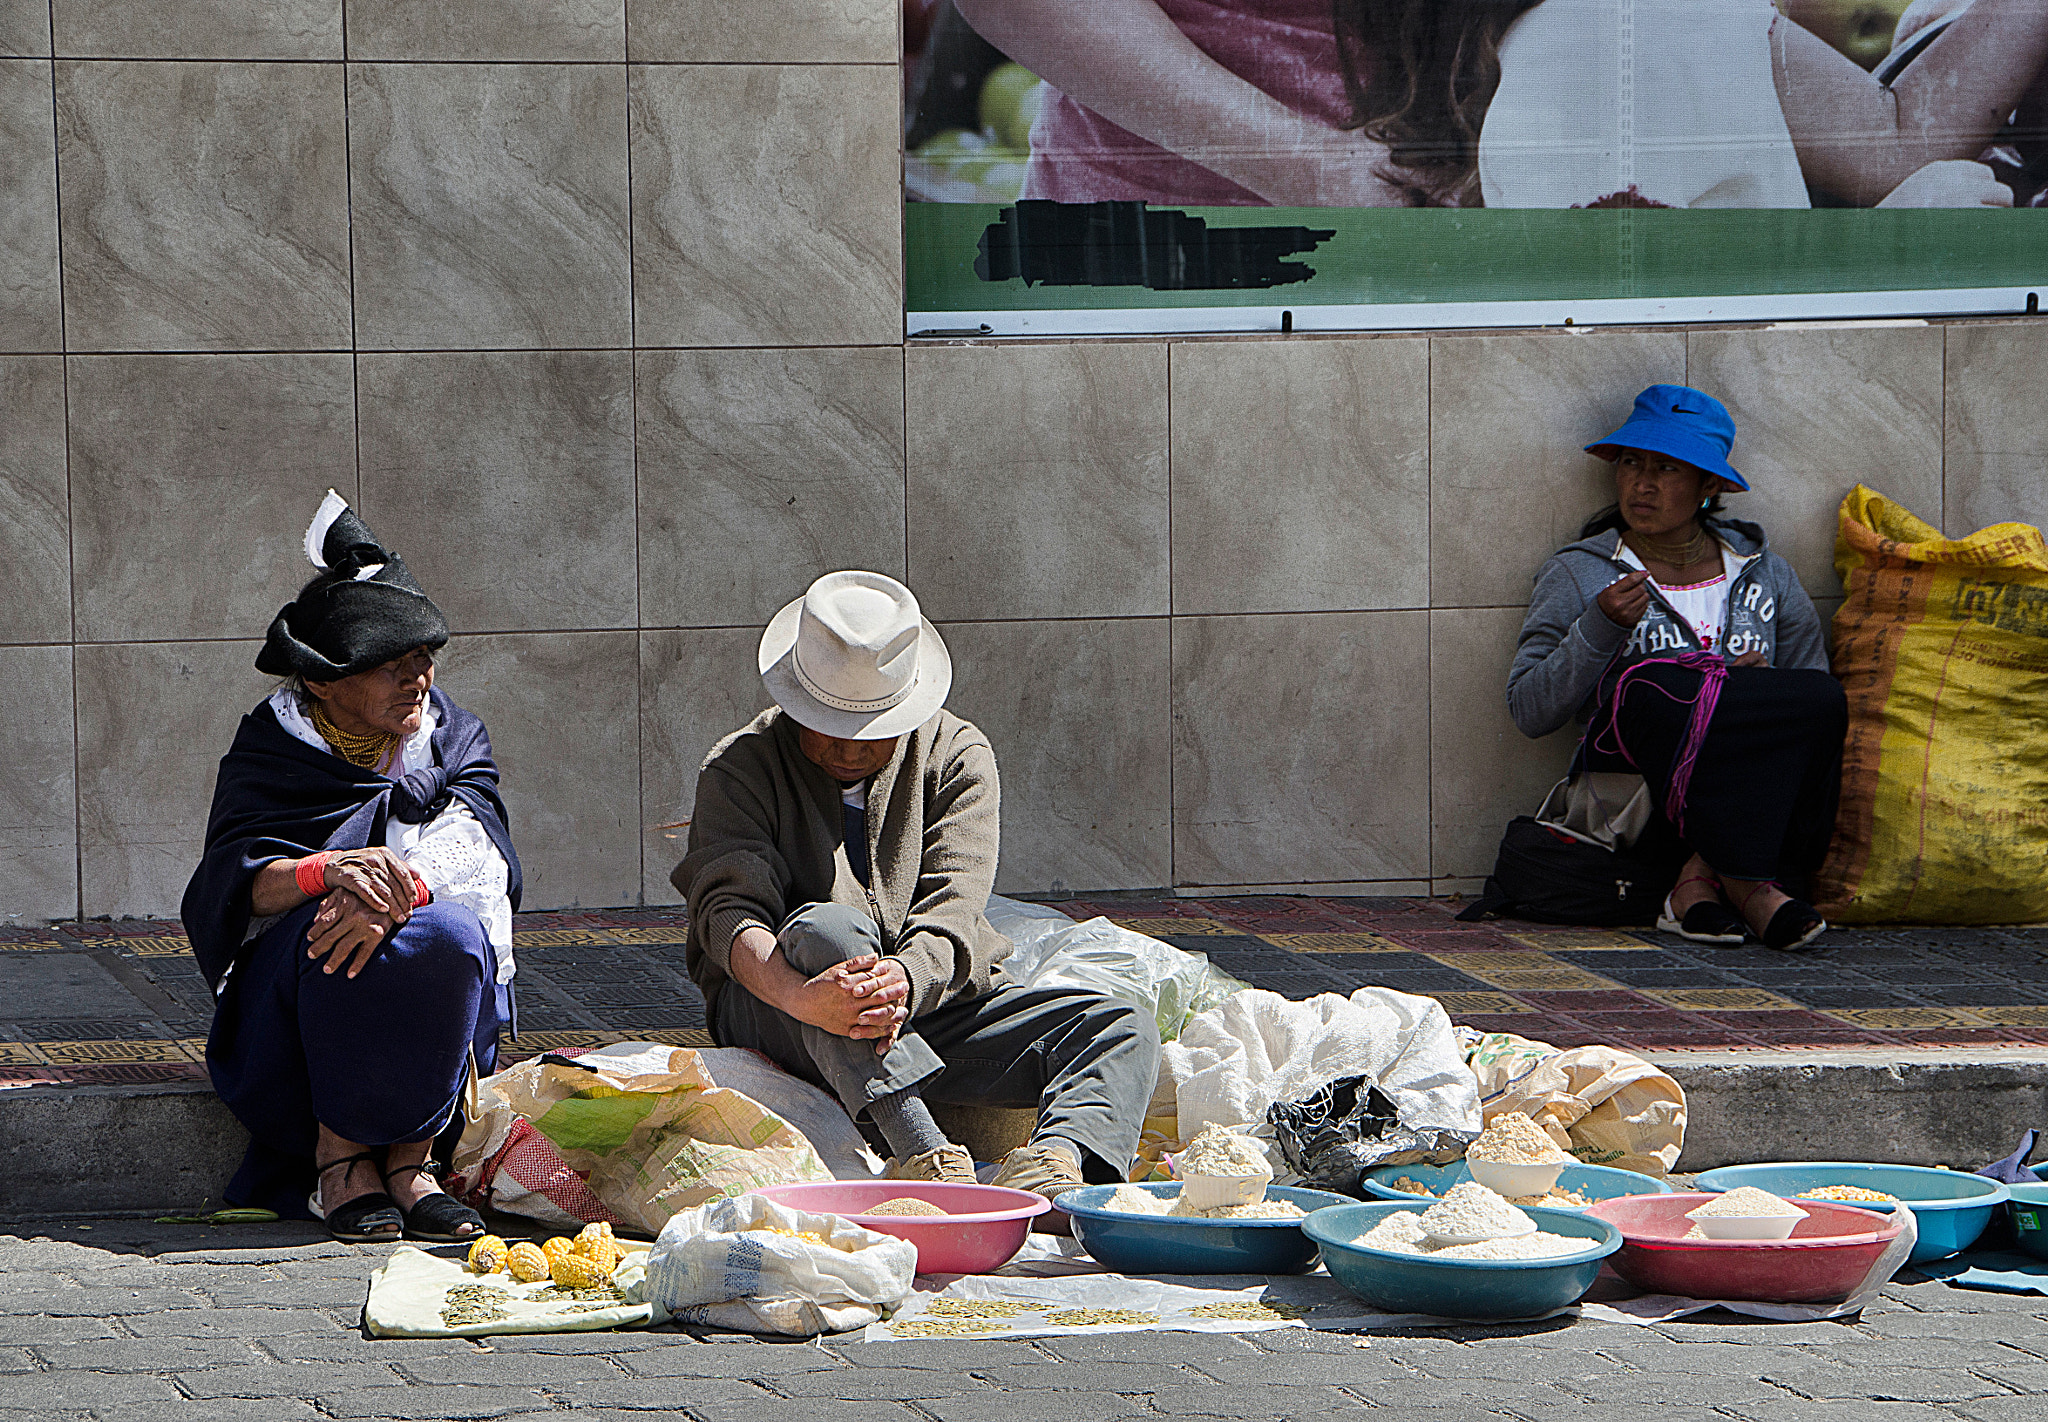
(1234, 1061)
(723, 1265)
(1097, 956)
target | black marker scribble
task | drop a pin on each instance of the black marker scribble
(1124, 244)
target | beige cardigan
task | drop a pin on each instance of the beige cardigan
(765, 840)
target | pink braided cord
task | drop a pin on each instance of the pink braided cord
(1606, 738)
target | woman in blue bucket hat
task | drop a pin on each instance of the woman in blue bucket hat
(1693, 657)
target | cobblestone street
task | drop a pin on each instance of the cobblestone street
(130, 1321)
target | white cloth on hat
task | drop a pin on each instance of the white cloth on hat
(452, 853)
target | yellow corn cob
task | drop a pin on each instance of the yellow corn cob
(558, 1247)
(594, 1240)
(487, 1255)
(577, 1271)
(526, 1263)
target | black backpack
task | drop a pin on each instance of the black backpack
(1548, 875)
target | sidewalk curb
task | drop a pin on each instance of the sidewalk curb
(144, 1149)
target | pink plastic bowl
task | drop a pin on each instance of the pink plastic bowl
(983, 1228)
(1827, 1256)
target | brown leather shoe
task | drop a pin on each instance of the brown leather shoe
(1043, 1170)
(947, 1165)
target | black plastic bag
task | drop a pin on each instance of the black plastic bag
(1349, 1127)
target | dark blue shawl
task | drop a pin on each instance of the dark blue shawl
(277, 797)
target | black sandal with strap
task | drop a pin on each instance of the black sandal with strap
(438, 1218)
(373, 1218)
(1794, 926)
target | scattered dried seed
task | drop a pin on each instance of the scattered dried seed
(468, 1304)
(1091, 1317)
(1249, 1310)
(944, 1327)
(978, 1308)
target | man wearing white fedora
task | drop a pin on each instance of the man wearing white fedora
(839, 867)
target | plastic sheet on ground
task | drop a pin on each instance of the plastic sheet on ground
(409, 1290)
(1999, 1271)
(1222, 1303)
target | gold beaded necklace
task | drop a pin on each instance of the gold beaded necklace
(366, 752)
(1681, 556)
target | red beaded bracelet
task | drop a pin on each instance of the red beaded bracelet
(311, 875)
(421, 894)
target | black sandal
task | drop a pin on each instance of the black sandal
(1794, 926)
(367, 1219)
(438, 1218)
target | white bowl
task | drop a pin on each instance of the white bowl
(1746, 1226)
(1482, 1238)
(1208, 1192)
(1515, 1181)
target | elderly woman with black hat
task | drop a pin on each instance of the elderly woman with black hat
(1695, 659)
(353, 908)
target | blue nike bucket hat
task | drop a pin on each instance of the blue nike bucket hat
(1679, 421)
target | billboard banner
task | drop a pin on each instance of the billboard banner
(1104, 166)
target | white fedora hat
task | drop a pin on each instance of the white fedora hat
(854, 658)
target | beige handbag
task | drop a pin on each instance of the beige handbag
(1610, 808)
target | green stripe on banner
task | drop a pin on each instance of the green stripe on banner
(1398, 256)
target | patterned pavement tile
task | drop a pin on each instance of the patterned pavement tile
(601, 976)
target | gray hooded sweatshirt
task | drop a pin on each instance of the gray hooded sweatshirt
(1570, 654)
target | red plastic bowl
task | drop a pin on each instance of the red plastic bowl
(983, 1227)
(1827, 1256)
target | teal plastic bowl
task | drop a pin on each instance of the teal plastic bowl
(2030, 1217)
(1167, 1244)
(1595, 1182)
(1459, 1288)
(1950, 1208)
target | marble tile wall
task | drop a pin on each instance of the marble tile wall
(593, 307)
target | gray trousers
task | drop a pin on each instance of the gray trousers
(1086, 1063)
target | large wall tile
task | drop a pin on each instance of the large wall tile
(1996, 452)
(769, 32)
(510, 474)
(38, 787)
(153, 723)
(1037, 480)
(25, 28)
(1509, 416)
(205, 206)
(1483, 772)
(1300, 748)
(767, 205)
(30, 303)
(490, 205)
(760, 471)
(1300, 475)
(192, 481)
(35, 502)
(697, 686)
(1077, 713)
(1817, 412)
(199, 29)
(561, 712)
(557, 30)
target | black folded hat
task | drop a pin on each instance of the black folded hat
(360, 611)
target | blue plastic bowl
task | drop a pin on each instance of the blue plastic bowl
(1162, 1244)
(1595, 1182)
(1460, 1288)
(2030, 1218)
(1950, 1208)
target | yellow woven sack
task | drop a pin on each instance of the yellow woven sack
(1942, 647)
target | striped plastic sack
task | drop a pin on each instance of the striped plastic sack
(1942, 647)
